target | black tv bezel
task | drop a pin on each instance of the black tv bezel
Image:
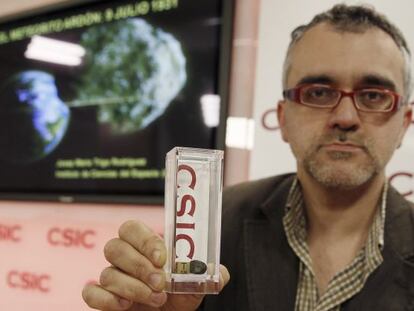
(226, 36)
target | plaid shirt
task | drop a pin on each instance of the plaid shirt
(347, 282)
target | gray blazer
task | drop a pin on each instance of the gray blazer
(264, 269)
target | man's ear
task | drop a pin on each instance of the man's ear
(281, 106)
(407, 121)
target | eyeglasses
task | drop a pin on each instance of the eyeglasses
(323, 96)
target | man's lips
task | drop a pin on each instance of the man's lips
(342, 147)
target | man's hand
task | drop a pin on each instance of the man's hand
(136, 279)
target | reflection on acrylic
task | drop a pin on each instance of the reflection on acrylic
(34, 119)
(132, 72)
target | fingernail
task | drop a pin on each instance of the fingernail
(156, 256)
(155, 280)
(157, 299)
(124, 303)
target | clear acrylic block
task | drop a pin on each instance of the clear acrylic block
(193, 190)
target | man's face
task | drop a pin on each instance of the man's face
(343, 147)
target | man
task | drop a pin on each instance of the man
(332, 237)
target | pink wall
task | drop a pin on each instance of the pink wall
(49, 251)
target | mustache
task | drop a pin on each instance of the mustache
(344, 137)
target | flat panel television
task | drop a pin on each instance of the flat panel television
(93, 95)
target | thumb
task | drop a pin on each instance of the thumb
(224, 276)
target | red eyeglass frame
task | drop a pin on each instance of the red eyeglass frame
(293, 94)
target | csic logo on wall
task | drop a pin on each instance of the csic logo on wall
(10, 233)
(71, 237)
(405, 178)
(269, 120)
(31, 281)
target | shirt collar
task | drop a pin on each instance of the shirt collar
(298, 220)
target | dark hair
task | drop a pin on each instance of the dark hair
(355, 18)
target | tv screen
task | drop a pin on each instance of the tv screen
(93, 96)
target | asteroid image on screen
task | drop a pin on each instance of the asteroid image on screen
(142, 67)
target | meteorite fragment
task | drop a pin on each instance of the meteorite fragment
(194, 266)
(197, 267)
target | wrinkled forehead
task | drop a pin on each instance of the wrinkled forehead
(345, 55)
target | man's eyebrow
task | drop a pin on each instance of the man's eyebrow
(368, 80)
(375, 80)
(318, 79)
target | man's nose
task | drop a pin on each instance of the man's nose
(345, 115)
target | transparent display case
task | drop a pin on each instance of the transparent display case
(193, 191)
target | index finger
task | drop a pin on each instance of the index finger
(144, 240)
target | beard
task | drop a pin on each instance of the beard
(341, 170)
